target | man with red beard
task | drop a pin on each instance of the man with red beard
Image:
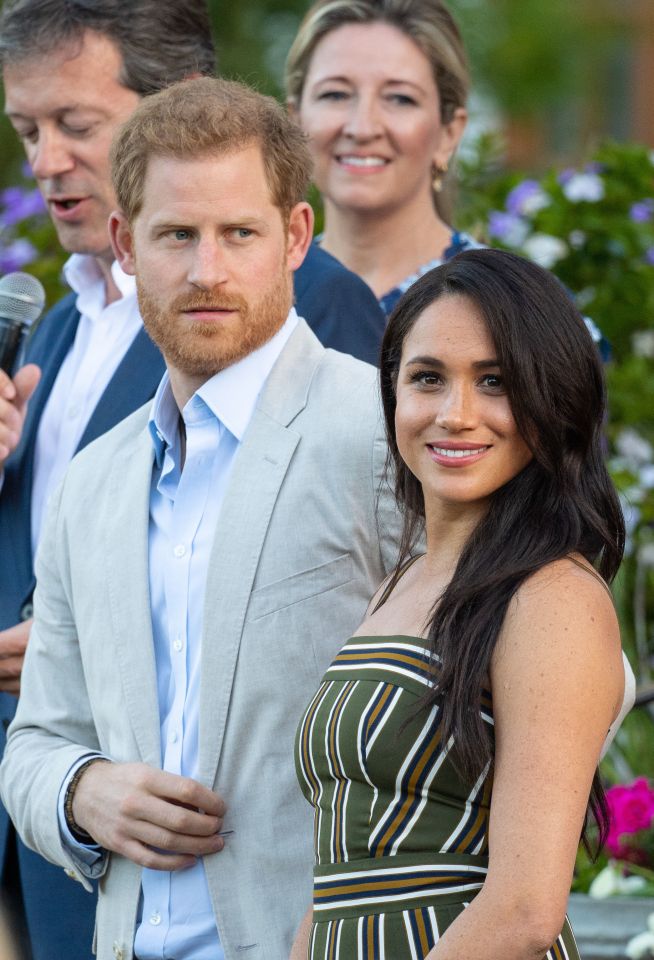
(202, 562)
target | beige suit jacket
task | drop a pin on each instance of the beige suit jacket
(306, 532)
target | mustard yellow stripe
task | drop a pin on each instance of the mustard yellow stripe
(390, 886)
(370, 938)
(422, 932)
(405, 658)
(385, 697)
(411, 792)
(340, 790)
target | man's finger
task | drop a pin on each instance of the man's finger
(26, 381)
(13, 640)
(10, 668)
(166, 841)
(145, 857)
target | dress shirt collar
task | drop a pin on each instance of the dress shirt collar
(83, 275)
(231, 395)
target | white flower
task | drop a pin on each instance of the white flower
(584, 186)
(610, 882)
(636, 450)
(576, 239)
(646, 476)
(545, 249)
(646, 554)
(642, 343)
(641, 946)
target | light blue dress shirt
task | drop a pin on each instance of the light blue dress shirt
(176, 917)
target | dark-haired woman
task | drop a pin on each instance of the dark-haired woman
(452, 747)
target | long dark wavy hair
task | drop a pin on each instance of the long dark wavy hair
(562, 502)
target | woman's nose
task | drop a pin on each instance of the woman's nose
(457, 409)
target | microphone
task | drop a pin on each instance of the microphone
(22, 299)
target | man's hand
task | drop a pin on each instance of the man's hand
(13, 643)
(14, 395)
(159, 820)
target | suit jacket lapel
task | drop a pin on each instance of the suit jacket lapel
(125, 522)
(134, 382)
(258, 473)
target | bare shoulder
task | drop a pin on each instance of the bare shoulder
(561, 630)
(565, 592)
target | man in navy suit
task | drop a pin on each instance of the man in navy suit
(72, 73)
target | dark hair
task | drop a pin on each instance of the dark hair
(562, 502)
(210, 117)
(160, 41)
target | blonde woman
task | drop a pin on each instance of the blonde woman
(381, 89)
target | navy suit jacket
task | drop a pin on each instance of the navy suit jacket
(340, 308)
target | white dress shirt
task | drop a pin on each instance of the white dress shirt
(103, 336)
(176, 918)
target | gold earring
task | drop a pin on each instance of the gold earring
(437, 174)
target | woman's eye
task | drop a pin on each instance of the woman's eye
(426, 378)
(493, 381)
(402, 99)
(333, 95)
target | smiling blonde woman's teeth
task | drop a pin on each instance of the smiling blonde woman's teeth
(363, 161)
(457, 454)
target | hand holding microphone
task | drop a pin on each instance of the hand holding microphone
(22, 299)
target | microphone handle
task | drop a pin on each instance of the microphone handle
(12, 335)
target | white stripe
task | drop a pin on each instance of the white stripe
(425, 795)
(391, 668)
(339, 931)
(389, 814)
(405, 647)
(464, 823)
(318, 809)
(392, 872)
(394, 897)
(348, 784)
(435, 932)
(319, 693)
(360, 936)
(338, 702)
(390, 707)
(409, 935)
(382, 944)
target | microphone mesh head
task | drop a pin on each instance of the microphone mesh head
(22, 297)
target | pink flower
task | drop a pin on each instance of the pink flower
(631, 808)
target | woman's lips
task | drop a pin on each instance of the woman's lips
(362, 164)
(459, 455)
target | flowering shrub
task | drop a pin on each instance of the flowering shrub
(631, 835)
(28, 240)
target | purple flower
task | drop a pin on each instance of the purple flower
(642, 211)
(19, 205)
(527, 198)
(508, 228)
(595, 167)
(16, 254)
(649, 256)
(566, 175)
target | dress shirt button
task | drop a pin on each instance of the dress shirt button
(155, 919)
(73, 411)
(173, 737)
(178, 644)
(179, 550)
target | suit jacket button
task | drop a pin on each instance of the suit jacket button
(27, 610)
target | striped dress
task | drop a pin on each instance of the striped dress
(401, 842)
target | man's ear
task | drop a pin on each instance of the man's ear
(122, 241)
(300, 234)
